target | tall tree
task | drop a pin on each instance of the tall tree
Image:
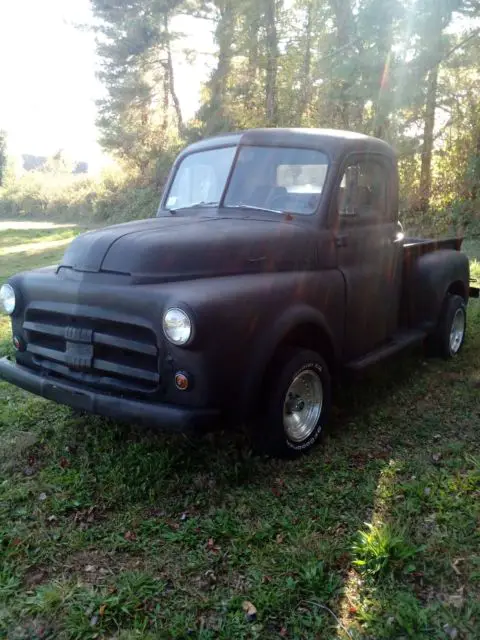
(271, 12)
(433, 18)
(141, 109)
(214, 112)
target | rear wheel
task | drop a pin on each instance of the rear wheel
(296, 403)
(449, 336)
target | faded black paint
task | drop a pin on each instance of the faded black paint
(248, 280)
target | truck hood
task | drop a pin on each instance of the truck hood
(179, 248)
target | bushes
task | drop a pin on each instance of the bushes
(113, 196)
(461, 218)
(118, 195)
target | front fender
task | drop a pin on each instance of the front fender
(242, 319)
(268, 342)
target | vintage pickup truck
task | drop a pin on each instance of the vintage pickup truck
(275, 262)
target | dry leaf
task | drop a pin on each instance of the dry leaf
(457, 600)
(279, 538)
(250, 611)
(211, 546)
(455, 564)
(130, 535)
(101, 611)
(451, 632)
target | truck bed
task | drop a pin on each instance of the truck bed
(414, 247)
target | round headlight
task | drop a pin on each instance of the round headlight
(177, 326)
(7, 298)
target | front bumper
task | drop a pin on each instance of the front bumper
(162, 416)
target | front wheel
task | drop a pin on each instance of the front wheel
(449, 336)
(296, 403)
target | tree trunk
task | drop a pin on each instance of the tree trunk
(253, 56)
(271, 106)
(306, 81)
(475, 160)
(216, 117)
(428, 139)
(171, 79)
(165, 101)
(345, 30)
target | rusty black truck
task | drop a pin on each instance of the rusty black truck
(275, 262)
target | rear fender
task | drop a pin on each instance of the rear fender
(427, 281)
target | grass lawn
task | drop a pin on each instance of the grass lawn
(111, 532)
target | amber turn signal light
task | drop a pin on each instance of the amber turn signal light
(182, 381)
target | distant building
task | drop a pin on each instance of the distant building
(33, 163)
(80, 167)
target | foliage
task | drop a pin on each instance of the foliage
(379, 550)
(134, 43)
(3, 155)
(110, 531)
(403, 70)
(115, 195)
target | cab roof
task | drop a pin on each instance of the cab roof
(334, 142)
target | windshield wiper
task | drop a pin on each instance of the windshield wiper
(253, 208)
(195, 205)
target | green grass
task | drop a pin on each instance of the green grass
(109, 531)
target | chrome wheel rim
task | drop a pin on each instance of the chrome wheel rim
(457, 331)
(303, 405)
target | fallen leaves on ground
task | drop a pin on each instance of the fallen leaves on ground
(250, 611)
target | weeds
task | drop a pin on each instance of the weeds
(380, 551)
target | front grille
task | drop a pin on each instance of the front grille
(115, 356)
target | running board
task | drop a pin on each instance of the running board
(398, 343)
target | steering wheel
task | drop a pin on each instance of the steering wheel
(280, 200)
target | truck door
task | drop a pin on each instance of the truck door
(368, 251)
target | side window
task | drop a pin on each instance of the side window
(363, 190)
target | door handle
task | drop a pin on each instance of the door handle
(341, 241)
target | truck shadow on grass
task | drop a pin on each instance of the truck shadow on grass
(387, 412)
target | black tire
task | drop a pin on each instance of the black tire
(269, 432)
(440, 342)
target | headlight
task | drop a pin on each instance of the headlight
(177, 326)
(7, 298)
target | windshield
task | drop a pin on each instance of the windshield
(278, 178)
(269, 178)
(201, 178)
